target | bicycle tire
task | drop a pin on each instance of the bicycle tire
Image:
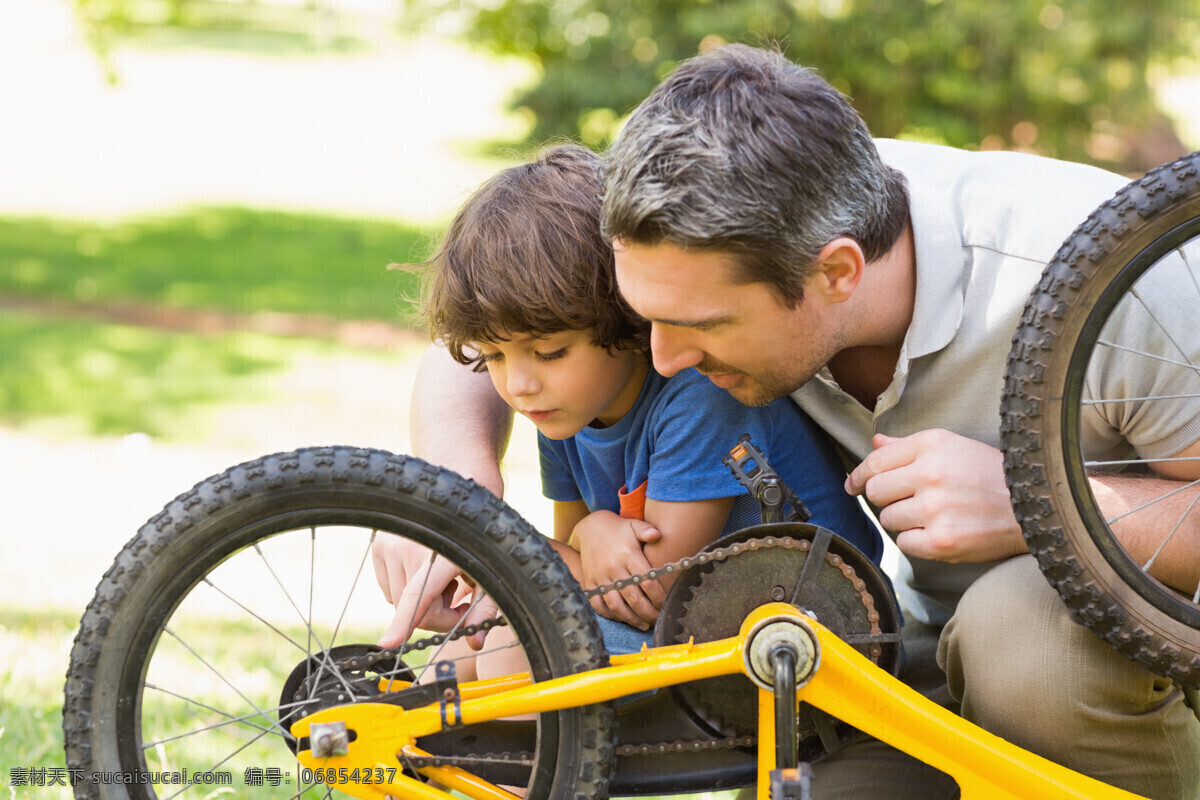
(1046, 471)
(222, 528)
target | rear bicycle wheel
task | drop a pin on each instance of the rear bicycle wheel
(260, 577)
(1108, 354)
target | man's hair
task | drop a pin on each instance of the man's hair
(743, 152)
(525, 255)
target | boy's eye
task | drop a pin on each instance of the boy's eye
(488, 358)
(559, 353)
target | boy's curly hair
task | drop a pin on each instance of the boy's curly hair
(525, 255)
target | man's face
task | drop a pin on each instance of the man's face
(741, 335)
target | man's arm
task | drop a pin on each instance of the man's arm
(946, 498)
(1152, 511)
(457, 419)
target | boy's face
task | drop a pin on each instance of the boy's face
(562, 382)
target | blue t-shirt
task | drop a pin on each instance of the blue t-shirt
(672, 440)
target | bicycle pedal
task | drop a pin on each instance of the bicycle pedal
(791, 784)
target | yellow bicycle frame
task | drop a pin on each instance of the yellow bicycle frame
(841, 681)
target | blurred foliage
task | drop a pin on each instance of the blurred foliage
(313, 27)
(1067, 79)
(233, 259)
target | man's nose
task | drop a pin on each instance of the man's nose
(671, 352)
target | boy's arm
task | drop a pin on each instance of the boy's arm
(686, 529)
(612, 547)
(567, 514)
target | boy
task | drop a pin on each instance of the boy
(523, 286)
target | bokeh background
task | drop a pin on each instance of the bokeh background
(199, 200)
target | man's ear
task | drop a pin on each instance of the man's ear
(839, 268)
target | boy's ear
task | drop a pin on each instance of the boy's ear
(839, 268)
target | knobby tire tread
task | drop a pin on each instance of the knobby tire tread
(502, 533)
(1111, 236)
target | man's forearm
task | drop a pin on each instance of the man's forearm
(458, 420)
(1143, 516)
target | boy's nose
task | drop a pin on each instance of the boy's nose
(670, 351)
(522, 383)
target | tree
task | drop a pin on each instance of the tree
(1067, 79)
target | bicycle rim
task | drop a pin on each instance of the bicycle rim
(178, 674)
(1113, 302)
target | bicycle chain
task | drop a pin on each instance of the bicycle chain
(524, 759)
(359, 663)
(717, 554)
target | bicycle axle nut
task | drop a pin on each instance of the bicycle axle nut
(327, 739)
(773, 633)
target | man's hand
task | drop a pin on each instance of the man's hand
(428, 592)
(943, 494)
(610, 548)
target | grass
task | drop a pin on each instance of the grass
(235, 259)
(70, 365)
(33, 650)
(78, 378)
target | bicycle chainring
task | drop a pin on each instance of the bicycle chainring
(847, 593)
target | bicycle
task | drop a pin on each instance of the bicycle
(774, 644)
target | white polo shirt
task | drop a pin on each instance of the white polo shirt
(985, 225)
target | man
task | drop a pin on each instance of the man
(774, 246)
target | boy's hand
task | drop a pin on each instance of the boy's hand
(426, 591)
(610, 548)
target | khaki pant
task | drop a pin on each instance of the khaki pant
(1016, 664)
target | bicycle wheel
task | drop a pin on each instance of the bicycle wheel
(255, 577)
(1103, 376)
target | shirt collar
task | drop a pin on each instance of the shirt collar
(938, 304)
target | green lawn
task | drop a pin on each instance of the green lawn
(71, 366)
(233, 259)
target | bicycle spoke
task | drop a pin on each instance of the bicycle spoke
(354, 584)
(1167, 539)
(1149, 398)
(1151, 356)
(312, 567)
(251, 612)
(1129, 461)
(230, 719)
(1165, 330)
(1159, 499)
(213, 767)
(412, 619)
(476, 598)
(323, 655)
(223, 679)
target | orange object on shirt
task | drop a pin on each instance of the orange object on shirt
(633, 504)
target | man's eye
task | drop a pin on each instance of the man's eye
(562, 351)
